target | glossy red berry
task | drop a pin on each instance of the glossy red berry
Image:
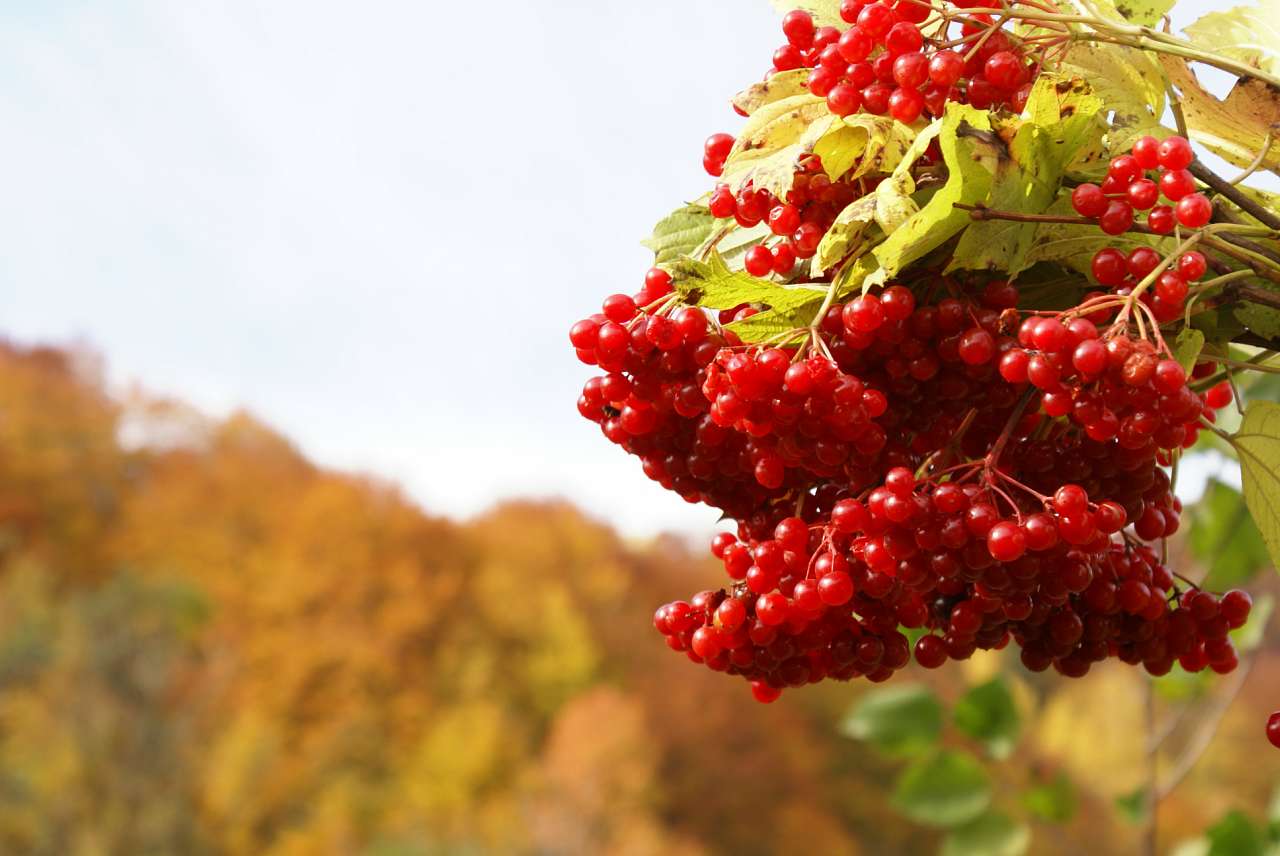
(1175, 153)
(945, 68)
(1117, 218)
(1177, 183)
(1194, 210)
(1145, 151)
(1088, 200)
(798, 27)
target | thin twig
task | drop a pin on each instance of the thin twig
(1204, 735)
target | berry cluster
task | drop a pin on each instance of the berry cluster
(1129, 187)
(797, 222)
(927, 456)
(1028, 524)
(882, 64)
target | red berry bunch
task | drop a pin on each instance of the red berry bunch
(1273, 728)
(925, 456)
(797, 222)
(1027, 528)
(1130, 187)
(883, 64)
(1167, 295)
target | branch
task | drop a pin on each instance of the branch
(1204, 735)
(1229, 191)
(1253, 294)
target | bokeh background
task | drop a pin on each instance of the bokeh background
(303, 546)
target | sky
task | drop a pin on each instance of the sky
(371, 227)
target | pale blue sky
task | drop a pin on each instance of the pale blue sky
(371, 225)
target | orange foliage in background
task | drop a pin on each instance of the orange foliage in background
(210, 645)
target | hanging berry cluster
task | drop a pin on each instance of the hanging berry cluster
(933, 455)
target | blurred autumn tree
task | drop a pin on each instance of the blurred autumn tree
(210, 645)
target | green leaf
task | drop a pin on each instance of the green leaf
(987, 713)
(1224, 538)
(1072, 105)
(847, 234)
(947, 789)
(991, 834)
(1257, 443)
(1075, 245)
(1247, 33)
(1236, 128)
(773, 323)
(1130, 83)
(773, 140)
(866, 144)
(1065, 129)
(1133, 807)
(1187, 348)
(1046, 286)
(898, 720)
(731, 241)
(680, 232)
(1263, 320)
(824, 12)
(1235, 835)
(1218, 325)
(713, 285)
(971, 152)
(1053, 801)
(1254, 631)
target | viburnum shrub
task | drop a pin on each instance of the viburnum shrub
(938, 336)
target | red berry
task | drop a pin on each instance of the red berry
(977, 347)
(835, 588)
(1194, 211)
(758, 261)
(844, 100)
(798, 27)
(1117, 218)
(906, 105)
(854, 45)
(1109, 267)
(1070, 499)
(764, 693)
(787, 58)
(1088, 200)
(1143, 194)
(1161, 220)
(1175, 153)
(1005, 70)
(1090, 357)
(945, 67)
(876, 19)
(931, 651)
(911, 70)
(863, 314)
(1006, 541)
(1142, 261)
(718, 146)
(903, 38)
(1145, 152)
(1177, 183)
(1192, 265)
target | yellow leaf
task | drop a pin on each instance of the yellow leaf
(1235, 129)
